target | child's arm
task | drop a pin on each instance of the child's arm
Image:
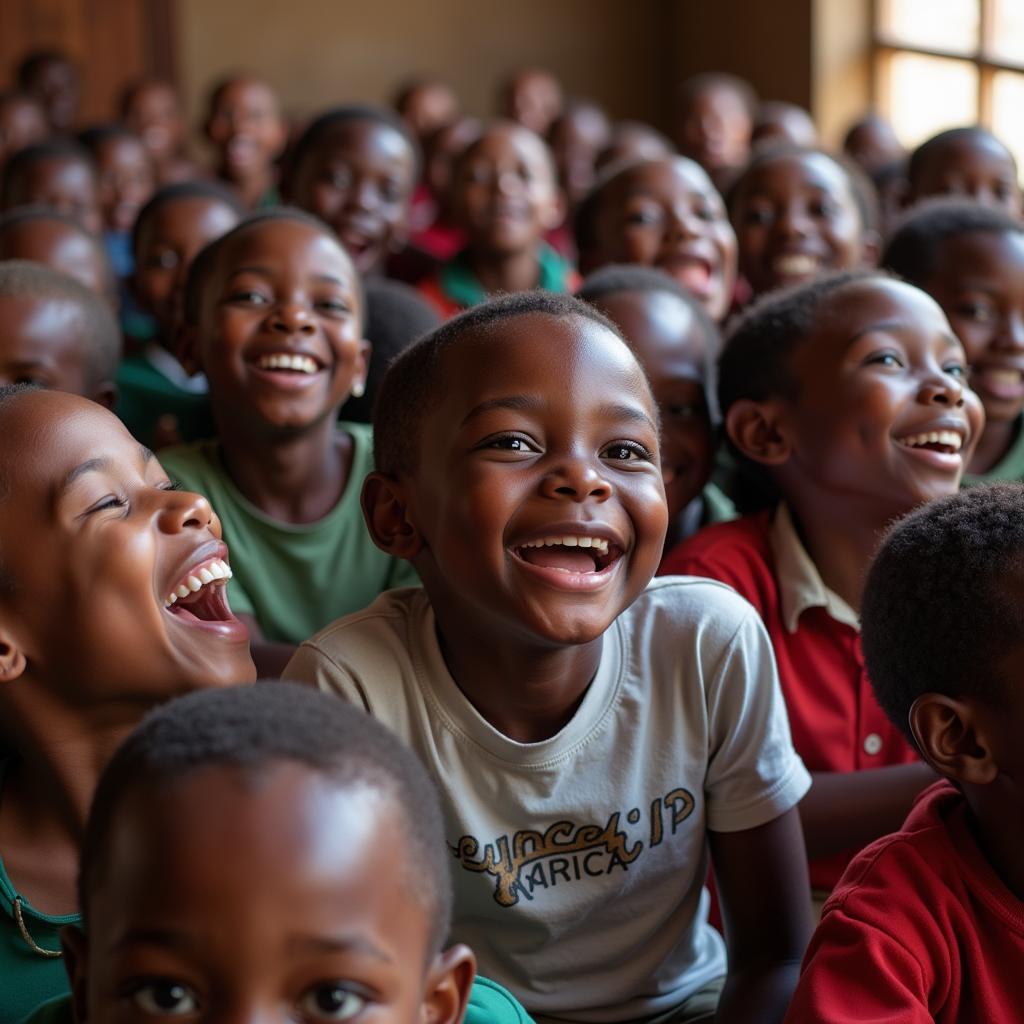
(848, 810)
(761, 874)
(269, 657)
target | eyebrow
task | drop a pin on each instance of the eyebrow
(338, 944)
(97, 466)
(898, 327)
(267, 271)
(529, 403)
(150, 935)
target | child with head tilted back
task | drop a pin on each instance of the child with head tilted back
(273, 316)
(592, 735)
(266, 852)
(846, 399)
(111, 601)
(927, 925)
(970, 259)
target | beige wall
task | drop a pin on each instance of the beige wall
(841, 70)
(321, 52)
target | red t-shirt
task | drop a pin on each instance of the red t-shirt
(836, 722)
(919, 929)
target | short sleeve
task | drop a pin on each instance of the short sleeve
(754, 775)
(855, 973)
(311, 665)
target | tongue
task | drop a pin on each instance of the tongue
(693, 275)
(570, 559)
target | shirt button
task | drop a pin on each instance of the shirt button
(872, 743)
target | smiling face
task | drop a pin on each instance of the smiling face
(883, 415)
(154, 114)
(246, 128)
(538, 493)
(974, 165)
(169, 241)
(281, 897)
(672, 347)
(714, 129)
(504, 191)
(978, 280)
(359, 179)
(102, 544)
(795, 218)
(66, 184)
(126, 180)
(280, 328)
(667, 214)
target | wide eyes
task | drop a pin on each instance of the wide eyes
(626, 451)
(161, 998)
(332, 1002)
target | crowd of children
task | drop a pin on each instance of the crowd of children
(660, 496)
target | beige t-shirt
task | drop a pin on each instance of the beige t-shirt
(580, 860)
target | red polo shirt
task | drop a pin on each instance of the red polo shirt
(836, 723)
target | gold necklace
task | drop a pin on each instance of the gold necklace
(50, 954)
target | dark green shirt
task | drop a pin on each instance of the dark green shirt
(1009, 467)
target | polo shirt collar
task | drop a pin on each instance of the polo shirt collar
(800, 584)
(460, 284)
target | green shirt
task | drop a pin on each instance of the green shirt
(295, 578)
(26, 978)
(459, 282)
(1009, 467)
(489, 1003)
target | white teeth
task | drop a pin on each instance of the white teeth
(796, 263)
(949, 438)
(287, 361)
(209, 573)
(598, 543)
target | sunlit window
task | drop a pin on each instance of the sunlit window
(947, 63)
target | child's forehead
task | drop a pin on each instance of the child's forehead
(969, 151)
(798, 170)
(249, 92)
(972, 254)
(367, 136)
(508, 139)
(671, 177)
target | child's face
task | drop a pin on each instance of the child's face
(359, 180)
(429, 108)
(103, 543)
(245, 126)
(57, 86)
(975, 166)
(281, 900)
(667, 214)
(22, 123)
(884, 412)
(796, 218)
(280, 329)
(44, 342)
(714, 129)
(545, 434)
(504, 191)
(60, 246)
(534, 100)
(126, 181)
(65, 184)
(576, 139)
(673, 350)
(978, 281)
(154, 114)
(171, 239)
(873, 144)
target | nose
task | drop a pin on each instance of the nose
(577, 478)
(292, 318)
(792, 221)
(1011, 334)
(942, 389)
(361, 194)
(186, 510)
(683, 224)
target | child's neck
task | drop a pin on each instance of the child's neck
(841, 537)
(527, 693)
(506, 272)
(294, 478)
(253, 188)
(996, 440)
(999, 834)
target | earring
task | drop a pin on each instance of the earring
(358, 389)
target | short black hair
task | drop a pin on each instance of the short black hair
(102, 336)
(413, 385)
(913, 247)
(920, 156)
(253, 729)
(95, 135)
(616, 278)
(704, 82)
(18, 166)
(207, 256)
(939, 610)
(861, 188)
(33, 62)
(181, 190)
(327, 123)
(396, 315)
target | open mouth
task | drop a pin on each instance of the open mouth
(944, 442)
(573, 555)
(796, 264)
(289, 363)
(201, 595)
(1002, 382)
(694, 273)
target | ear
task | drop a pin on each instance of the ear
(449, 981)
(386, 511)
(76, 962)
(871, 250)
(947, 734)
(12, 658)
(361, 369)
(105, 394)
(758, 431)
(188, 349)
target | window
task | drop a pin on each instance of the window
(947, 63)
